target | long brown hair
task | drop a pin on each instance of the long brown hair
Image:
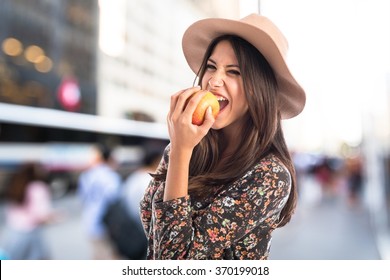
(260, 135)
(20, 179)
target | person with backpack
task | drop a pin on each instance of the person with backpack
(98, 186)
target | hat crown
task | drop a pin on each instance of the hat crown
(265, 36)
(267, 26)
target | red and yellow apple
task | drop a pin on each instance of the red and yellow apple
(207, 100)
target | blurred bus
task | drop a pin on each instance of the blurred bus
(62, 142)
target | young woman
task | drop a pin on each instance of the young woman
(28, 209)
(222, 187)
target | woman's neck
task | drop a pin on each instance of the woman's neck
(231, 141)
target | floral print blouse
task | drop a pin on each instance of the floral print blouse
(232, 222)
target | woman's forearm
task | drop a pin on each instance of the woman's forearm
(177, 175)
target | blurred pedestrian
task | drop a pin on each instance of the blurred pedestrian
(136, 183)
(132, 193)
(324, 175)
(28, 209)
(328, 173)
(98, 186)
(355, 179)
(224, 186)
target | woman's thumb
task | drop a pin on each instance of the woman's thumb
(209, 118)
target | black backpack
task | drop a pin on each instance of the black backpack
(127, 234)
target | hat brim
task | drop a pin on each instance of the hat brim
(199, 35)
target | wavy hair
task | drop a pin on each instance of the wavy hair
(260, 135)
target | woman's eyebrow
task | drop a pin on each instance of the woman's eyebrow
(227, 66)
(212, 61)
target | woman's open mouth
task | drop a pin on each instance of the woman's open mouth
(223, 102)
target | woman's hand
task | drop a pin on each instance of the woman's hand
(184, 136)
(182, 132)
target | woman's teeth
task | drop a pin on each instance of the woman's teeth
(223, 102)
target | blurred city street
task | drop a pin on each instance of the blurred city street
(75, 75)
(326, 228)
(322, 229)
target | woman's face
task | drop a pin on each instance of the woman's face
(223, 78)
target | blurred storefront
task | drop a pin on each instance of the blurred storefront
(48, 55)
(93, 57)
(376, 149)
(77, 72)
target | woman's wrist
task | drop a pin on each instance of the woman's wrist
(177, 177)
(180, 154)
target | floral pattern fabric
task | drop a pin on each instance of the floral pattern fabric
(232, 222)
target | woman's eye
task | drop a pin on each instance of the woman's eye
(210, 66)
(234, 72)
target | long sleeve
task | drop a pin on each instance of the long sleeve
(238, 219)
(150, 191)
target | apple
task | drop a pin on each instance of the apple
(207, 100)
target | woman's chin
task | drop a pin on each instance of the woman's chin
(217, 125)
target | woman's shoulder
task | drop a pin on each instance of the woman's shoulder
(271, 166)
(271, 161)
(269, 175)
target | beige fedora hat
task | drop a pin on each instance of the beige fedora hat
(262, 34)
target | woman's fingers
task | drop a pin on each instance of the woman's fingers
(183, 133)
(192, 103)
(181, 100)
(174, 101)
(208, 119)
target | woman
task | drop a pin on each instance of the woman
(222, 188)
(28, 209)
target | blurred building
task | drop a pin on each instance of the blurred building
(48, 55)
(70, 68)
(141, 60)
(344, 66)
(93, 57)
(376, 155)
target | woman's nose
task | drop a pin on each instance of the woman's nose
(215, 82)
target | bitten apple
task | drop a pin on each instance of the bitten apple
(207, 100)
